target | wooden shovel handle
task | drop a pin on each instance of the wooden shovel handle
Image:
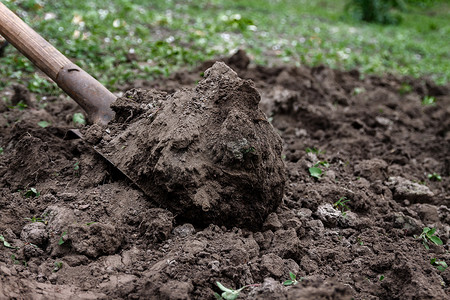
(93, 97)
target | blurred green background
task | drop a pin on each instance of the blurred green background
(120, 41)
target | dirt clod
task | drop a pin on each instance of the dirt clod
(208, 154)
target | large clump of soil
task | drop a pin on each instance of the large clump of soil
(208, 154)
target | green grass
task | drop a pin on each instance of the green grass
(120, 41)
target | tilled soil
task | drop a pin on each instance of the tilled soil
(96, 235)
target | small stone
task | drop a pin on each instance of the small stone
(373, 169)
(285, 243)
(404, 189)
(184, 230)
(328, 214)
(272, 222)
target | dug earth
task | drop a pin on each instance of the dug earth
(208, 154)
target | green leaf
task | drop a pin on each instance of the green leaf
(426, 230)
(426, 246)
(432, 261)
(381, 277)
(1, 150)
(61, 241)
(315, 172)
(230, 295)
(43, 124)
(435, 240)
(5, 243)
(78, 118)
(431, 231)
(443, 266)
(288, 282)
(218, 297)
(293, 276)
(224, 289)
(324, 163)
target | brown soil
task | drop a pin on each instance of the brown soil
(214, 207)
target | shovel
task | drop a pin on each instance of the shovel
(90, 94)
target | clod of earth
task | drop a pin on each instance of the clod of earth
(208, 153)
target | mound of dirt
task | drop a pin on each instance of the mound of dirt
(208, 154)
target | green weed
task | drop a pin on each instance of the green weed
(43, 124)
(292, 280)
(314, 150)
(428, 101)
(17, 262)
(427, 236)
(35, 219)
(228, 294)
(78, 119)
(20, 106)
(342, 206)
(1, 150)
(58, 266)
(5, 243)
(440, 265)
(32, 193)
(61, 239)
(405, 89)
(315, 172)
(375, 11)
(434, 177)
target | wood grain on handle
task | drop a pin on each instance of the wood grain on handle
(46, 57)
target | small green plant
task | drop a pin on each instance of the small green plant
(90, 223)
(61, 239)
(1, 150)
(360, 241)
(20, 106)
(405, 89)
(314, 150)
(14, 259)
(428, 236)
(434, 177)
(32, 192)
(228, 294)
(381, 277)
(35, 219)
(78, 119)
(5, 243)
(58, 266)
(292, 280)
(342, 206)
(440, 265)
(375, 11)
(17, 262)
(428, 100)
(323, 163)
(315, 172)
(76, 168)
(358, 90)
(43, 124)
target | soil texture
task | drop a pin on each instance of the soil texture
(222, 165)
